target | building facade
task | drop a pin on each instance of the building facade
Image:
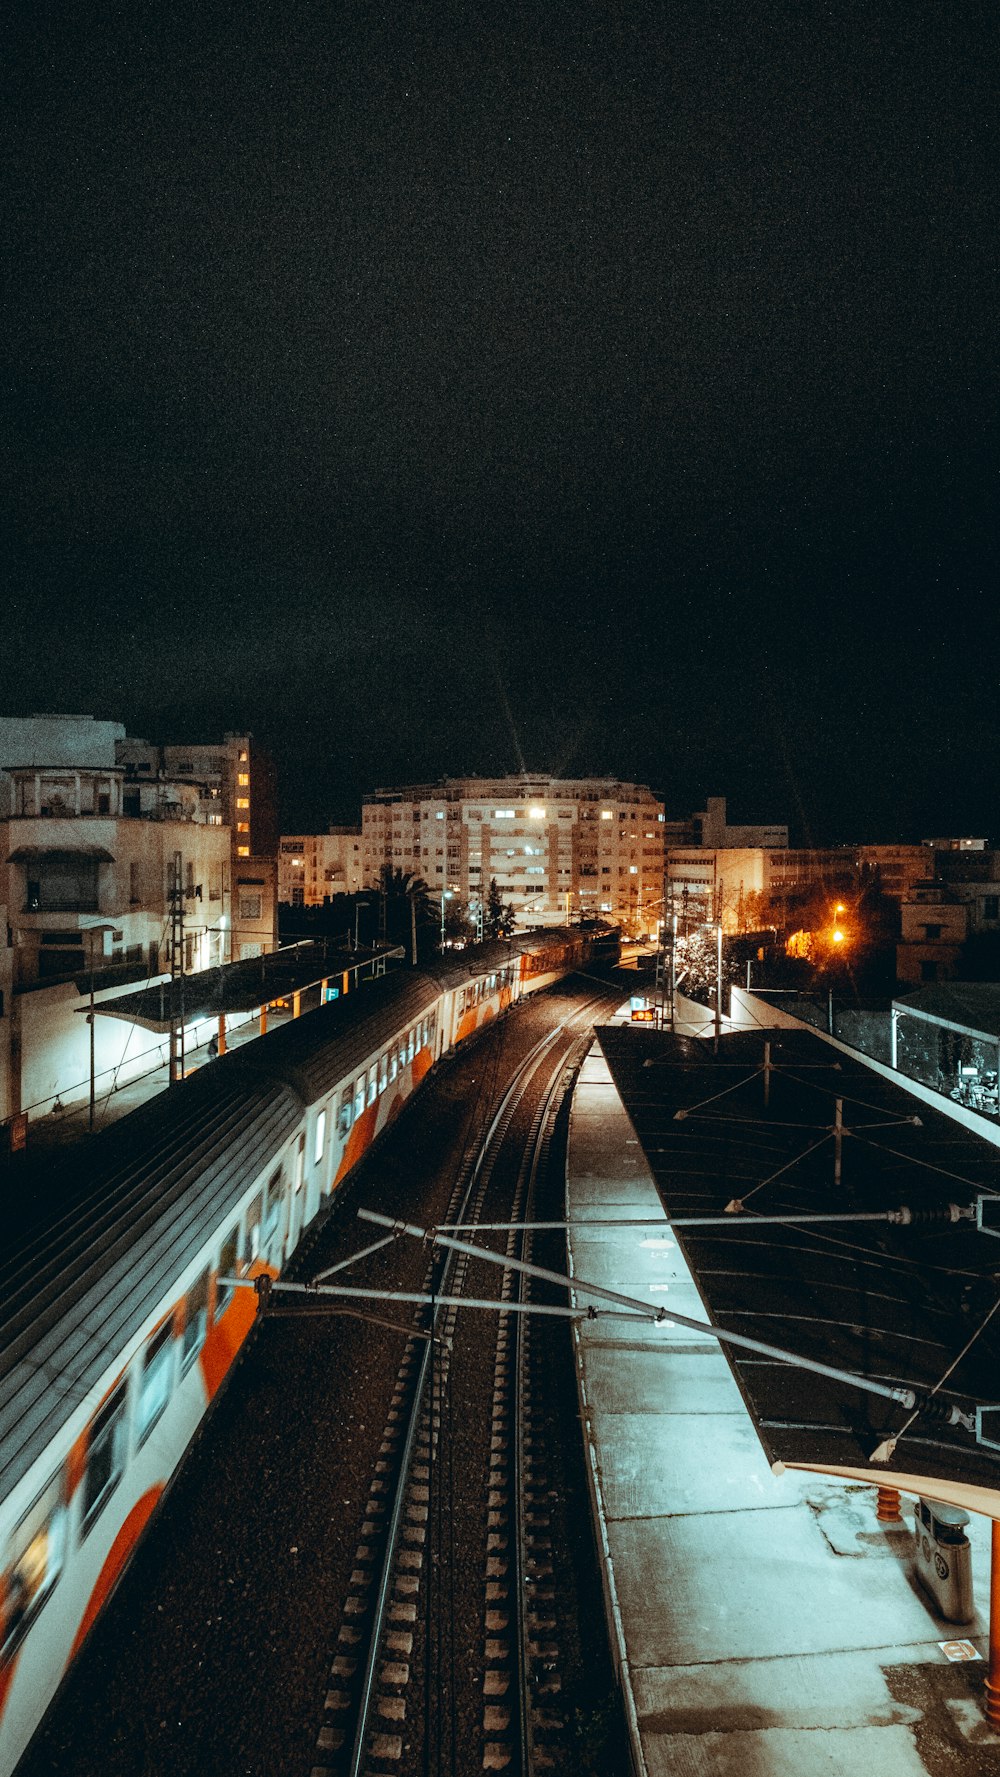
(313, 867)
(236, 780)
(558, 849)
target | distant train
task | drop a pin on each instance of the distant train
(115, 1329)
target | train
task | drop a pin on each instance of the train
(118, 1326)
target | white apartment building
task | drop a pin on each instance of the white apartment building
(313, 867)
(558, 848)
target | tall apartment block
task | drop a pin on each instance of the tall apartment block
(557, 848)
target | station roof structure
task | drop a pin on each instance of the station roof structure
(237, 987)
(972, 1008)
(912, 1306)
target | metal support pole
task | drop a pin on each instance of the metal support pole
(296, 1005)
(838, 1140)
(767, 1072)
(90, 1021)
(222, 1033)
(263, 1020)
(718, 986)
(993, 1670)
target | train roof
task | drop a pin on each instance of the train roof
(76, 1287)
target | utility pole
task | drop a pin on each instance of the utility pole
(718, 986)
(176, 899)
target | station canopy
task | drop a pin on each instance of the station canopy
(972, 1008)
(237, 987)
(911, 1306)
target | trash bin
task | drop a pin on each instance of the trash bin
(943, 1559)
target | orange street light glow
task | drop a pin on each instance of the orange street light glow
(838, 935)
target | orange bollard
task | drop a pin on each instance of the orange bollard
(222, 1033)
(263, 1021)
(887, 1510)
(993, 1671)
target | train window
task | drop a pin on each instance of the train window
(421, 1033)
(156, 1380)
(105, 1456)
(373, 1082)
(33, 1561)
(359, 1097)
(409, 1045)
(393, 1062)
(320, 1138)
(300, 1162)
(272, 1213)
(195, 1323)
(251, 1239)
(228, 1263)
(345, 1114)
(431, 1028)
(383, 1072)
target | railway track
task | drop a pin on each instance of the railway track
(446, 1655)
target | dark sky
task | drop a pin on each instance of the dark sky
(439, 388)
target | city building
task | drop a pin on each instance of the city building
(711, 830)
(934, 925)
(237, 781)
(558, 849)
(313, 867)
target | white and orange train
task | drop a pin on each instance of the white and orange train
(115, 1330)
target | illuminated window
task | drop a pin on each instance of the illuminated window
(243, 802)
(606, 814)
(383, 1072)
(196, 1322)
(373, 1082)
(536, 814)
(344, 1115)
(32, 1564)
(251, 1239)
(633, 869)
(359, 1097)
(155, 1381)
(503, 814)
(242, 851)
(243, 778)
(244, 827)
(228, 1261)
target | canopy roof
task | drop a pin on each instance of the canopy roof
(970, 1007)
(910, 1306)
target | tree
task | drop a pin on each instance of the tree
(406, 900)
(498, 919)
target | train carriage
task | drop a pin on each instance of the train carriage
(116, 1327)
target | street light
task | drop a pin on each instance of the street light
(446, 895)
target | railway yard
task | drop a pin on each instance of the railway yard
(379, 1555)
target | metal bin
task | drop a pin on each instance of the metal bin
(943, 1559)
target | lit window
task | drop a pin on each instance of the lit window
(536, 814)
(344, 1115)
(32, 1564)
(228, 1261)
(154, 1384)
(243, 802)
(243, 778)
(373, 1082)
(439, 816)
(359, 1097)
(251, 1239)
(320, 1138)
(503, 814)
(633, 869)
(383, 1072)
(196, 1323)
(244, 827)
(606, 814)
(242, 851)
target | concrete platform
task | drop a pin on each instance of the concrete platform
(766, 1624)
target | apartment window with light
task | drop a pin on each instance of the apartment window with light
(243, 778)
(243, 802)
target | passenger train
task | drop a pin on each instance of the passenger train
(116, 1327)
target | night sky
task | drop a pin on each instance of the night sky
(445, 388)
